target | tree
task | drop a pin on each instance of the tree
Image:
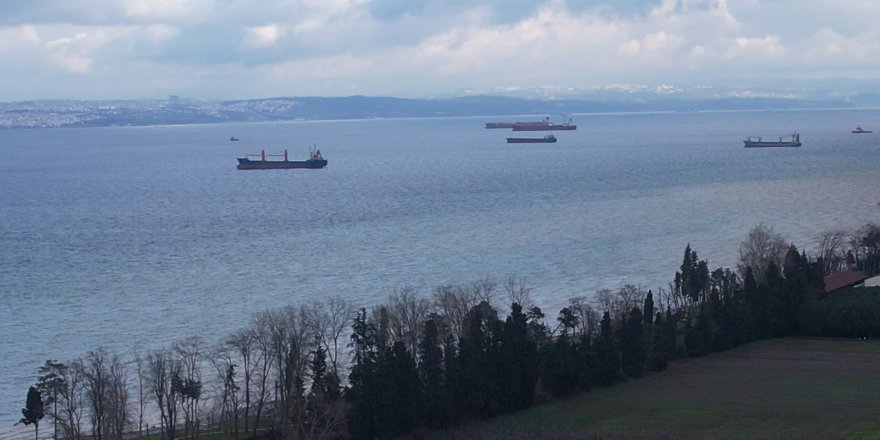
(243, 342)
(830, 250)
(362, 379)
(72, 401)
(692, 279)
(328, 320)
(608, 352)
(433, 408)
(407, 312)
(33, 410)
(762, 246)
(162, 369)
(51, 384)
(190, 353)
(518, 291)
(107, 393)
(519, 361)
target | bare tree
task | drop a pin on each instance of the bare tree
(328, 320)
(608, 302)
(831, 250)
(163, 368)
(630, 296)
(407, 313)
(142, 377)
(223, 359)
(455, 302)
(587, 318)
(452, 304)
(72, 401)
(105, 385)
(190, 353)
(518, 291)
(263, 362)
(865, 245)
(762, 246)
(483, 290)
(244, 343)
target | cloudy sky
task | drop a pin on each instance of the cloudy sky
(229, 49)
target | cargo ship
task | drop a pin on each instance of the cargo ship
(260, 161)
(549, 139)
(544, 125)
(795, 141)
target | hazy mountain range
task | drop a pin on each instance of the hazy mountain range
(533, 101)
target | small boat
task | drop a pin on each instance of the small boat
(549, 139)
(233, 139)
(794, 141)
(260, 161)
(860, 130)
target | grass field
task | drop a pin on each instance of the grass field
(777, 389)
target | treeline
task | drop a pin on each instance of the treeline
(330, 370)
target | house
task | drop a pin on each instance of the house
(843, 279)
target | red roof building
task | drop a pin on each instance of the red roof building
(843, 279)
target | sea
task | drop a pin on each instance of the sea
(136, 237)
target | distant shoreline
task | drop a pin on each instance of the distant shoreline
(141, 113)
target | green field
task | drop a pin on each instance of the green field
(778, 389)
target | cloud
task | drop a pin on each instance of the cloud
(18, 37)
(419, 47)
(68, 53)
(262, 36)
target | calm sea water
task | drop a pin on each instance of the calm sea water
(124, 237)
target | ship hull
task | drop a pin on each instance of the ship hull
(247, 164)
(543, 127)
(530, 141)
(760, 144)
(499, 125)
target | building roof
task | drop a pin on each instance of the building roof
(844, 278)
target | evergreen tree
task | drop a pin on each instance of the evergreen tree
(660, 349)
(475, 364)
(363, 380)
(633, 344)
(453, 394)
(399, 394)
(33, 410)
(608, 353)
(51, 385)
(560, 367)
(519, 359)
(432, 408)
(754, 307)
(318, 372)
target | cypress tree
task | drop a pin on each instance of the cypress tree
(633, 344)
(519, 358)
(363, 380)
(431, 377)
(33, 410)
(608, 352)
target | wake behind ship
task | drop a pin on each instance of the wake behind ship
(314, 161)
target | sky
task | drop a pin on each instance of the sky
(239, 49)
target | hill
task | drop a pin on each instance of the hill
(175, 110)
